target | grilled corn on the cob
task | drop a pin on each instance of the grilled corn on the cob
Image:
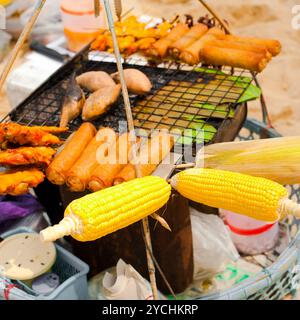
(258, 198)
(109, 210)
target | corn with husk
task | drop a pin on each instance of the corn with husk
(275, 159)
(255, 197)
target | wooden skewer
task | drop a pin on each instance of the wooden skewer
(145, 222)
(97, 7)
(19, 45)
(214, 13)
(185, 166)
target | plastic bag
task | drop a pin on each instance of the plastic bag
(213, 247)
(122, 282)
(48, 26)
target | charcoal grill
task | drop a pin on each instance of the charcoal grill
(179, 98)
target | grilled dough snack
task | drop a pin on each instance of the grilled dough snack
(234, 58)
(80, 173)
(192, 54)
(73, 149)
(150, 156)
(160, 47)
(195, 33)
(103, 176)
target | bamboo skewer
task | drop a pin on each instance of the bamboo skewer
(213, 12)
(23, 37)
(97, 8)
(145, 222)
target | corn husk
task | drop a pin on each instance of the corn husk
(276, 159)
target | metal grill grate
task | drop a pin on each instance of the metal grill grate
(182, 96)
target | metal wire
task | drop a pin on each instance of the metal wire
(171, 104)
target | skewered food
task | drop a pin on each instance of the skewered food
(103, 176)
(273, 46)
(23, 135)
(100, 101)
(80, 173)
(95, 80)
(73, 149)
(132, 35)
(137, 82)
(53, 130)
(258, 198)
(18, 182)
(26, 156)
(228, 44)
(192, 54)
(101, 213)
(150, 156)
(160, 48)
(73, 102)
(234, 58)
(196, 32)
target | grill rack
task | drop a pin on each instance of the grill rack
(171, 81)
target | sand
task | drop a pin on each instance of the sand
(261, 18)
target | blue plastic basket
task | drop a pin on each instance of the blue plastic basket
(71, 271)
(281, 278)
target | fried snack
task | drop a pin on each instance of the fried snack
(103, 176)
(145, 44)
(80, 173)
(137, 82)
(53, 130)
(100, 102)
(27, 155)
(150, 156)
(73, 102)
(273, 46)
(234, 58)
(95, 80)
(22, 135)
(195, 33)
(229, 44)
(73, 149)
(18, 182)
(191, 55)
(160, 47)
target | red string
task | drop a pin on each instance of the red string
(8, 289)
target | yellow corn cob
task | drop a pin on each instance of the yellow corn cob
(258, 198)
(111, 209)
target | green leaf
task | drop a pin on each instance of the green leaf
(211, 111)
(208, 130)
(252, 92)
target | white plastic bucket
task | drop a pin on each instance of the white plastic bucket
(251, 236)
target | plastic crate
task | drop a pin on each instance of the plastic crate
(71, 271)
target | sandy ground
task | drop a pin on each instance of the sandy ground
(263, 18)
